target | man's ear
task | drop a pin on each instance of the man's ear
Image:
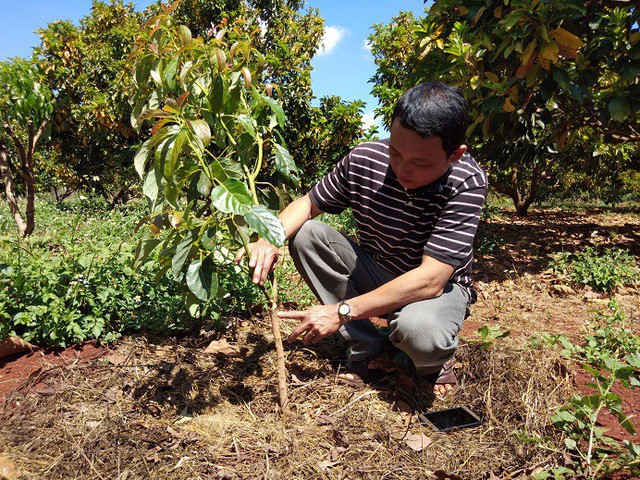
(457, 154)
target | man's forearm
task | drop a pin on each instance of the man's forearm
(296, 214)
(415, 285)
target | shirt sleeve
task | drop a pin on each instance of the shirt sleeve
(331, 194)
(451, 240)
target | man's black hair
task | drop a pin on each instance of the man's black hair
(434, 109)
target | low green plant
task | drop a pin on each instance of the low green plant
(611, 354)
(487, 243)
(603, 270)
(491, 333)
(74, 280)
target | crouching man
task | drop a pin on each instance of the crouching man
(416, 199)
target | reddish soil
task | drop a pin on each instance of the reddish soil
(21, 372)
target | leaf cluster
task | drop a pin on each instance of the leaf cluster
(602, 269)
(611, 354)
(536, 75)
(213, 132)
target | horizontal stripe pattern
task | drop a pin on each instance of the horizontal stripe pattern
(398, 226)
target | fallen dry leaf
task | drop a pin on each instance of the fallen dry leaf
(326, 420)
(222, 347)
(417, 441)
(404, 407)
(563, 290)
(13, 346)
(326, 465)
(8, 470)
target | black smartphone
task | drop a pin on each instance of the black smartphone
(450, 419)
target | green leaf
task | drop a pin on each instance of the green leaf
(208, 239)
(144, 249)
(562, 78)
(175, 148)
(266, 224)
(185, 34)
(181, 256)
(634, 359)
(625, 422)
(284, 162)
(140, 159)
(219, 94)
(202, 131)
(570, 443)
(248, 124)
(202, 280)
(204, 184)
(276, 108)
(150, 189)
(231, 196)
(619, 109)
(170, 72)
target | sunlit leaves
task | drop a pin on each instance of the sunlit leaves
(202, 279)
(232, 196)
(581, 60)
(266, 224)
(284, 162)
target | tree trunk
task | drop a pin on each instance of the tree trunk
(10, 192)
(29, 180)
(522, 201)
(27, 168)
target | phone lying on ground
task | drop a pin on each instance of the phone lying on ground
(450, 419)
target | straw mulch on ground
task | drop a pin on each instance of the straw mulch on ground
(165, 409)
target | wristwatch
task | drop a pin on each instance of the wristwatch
(344, 312)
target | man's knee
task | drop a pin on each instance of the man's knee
(423, 333)
(305, 237)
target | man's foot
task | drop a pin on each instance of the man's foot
(366, 371)
(444, 381)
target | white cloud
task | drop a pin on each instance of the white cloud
(331, 38)
(368, 119)
(366, 44)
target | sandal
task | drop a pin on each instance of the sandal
(445, 376)
(362, 374)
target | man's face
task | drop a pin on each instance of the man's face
(418, 161)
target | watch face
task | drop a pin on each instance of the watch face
(344, 309)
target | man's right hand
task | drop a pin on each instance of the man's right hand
(263, 258)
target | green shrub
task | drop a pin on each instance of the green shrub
(75, 280)
(603, 271)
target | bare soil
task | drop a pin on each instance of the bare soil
(162, 408)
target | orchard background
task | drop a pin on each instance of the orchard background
(140, 149)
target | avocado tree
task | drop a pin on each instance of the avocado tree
(214, 130)
(26, 105)
(539, 75)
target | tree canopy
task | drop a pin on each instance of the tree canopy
(540, 77)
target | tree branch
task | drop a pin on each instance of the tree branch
(22, 152)
(9, 188)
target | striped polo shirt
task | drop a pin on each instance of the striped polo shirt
(397, 226)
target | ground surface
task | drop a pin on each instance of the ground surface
(163, 408)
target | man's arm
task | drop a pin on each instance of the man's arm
(263, 255)
(424, 282)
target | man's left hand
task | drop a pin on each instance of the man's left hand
(315, 323)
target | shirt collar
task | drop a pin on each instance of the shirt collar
(434, 187)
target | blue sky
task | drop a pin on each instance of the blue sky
(343, 68)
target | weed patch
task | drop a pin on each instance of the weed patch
(603, 270)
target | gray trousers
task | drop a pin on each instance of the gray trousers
(337, 268)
